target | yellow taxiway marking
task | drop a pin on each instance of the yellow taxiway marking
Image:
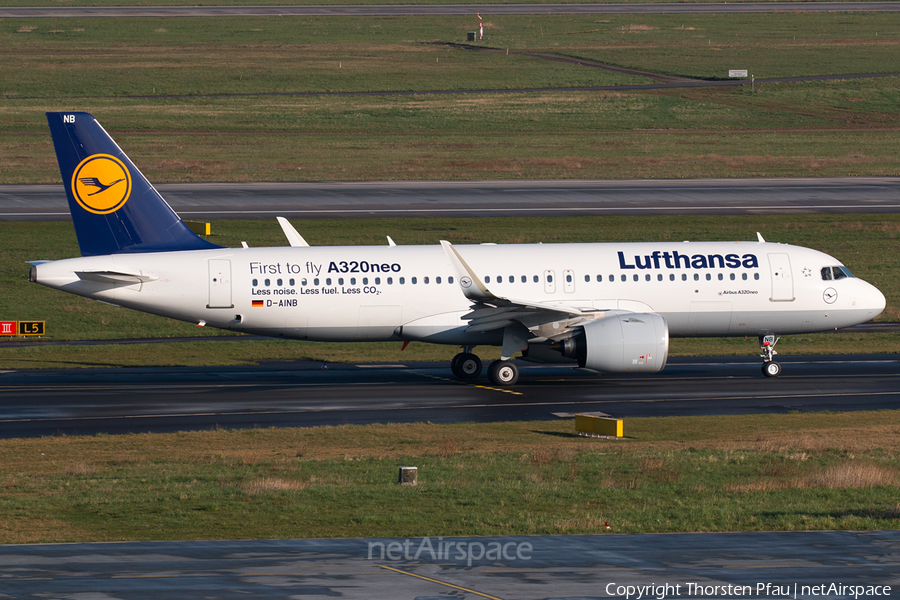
(482, 387)
(456, 587)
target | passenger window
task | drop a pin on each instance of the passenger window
(353, 281)
(647, 277)
(721, 277)
(412, 280)
(536, 279)
(671, 276)
(684, 276)
(612, 277)
(365, 281)
(756, 276)
(487, 278)
(390, 281)
(659, 277)
(402, 280)
(291, 282)
(450, 279)
(709, 277)
(568, 279)
(696, 276)
(549, 278)
(624, 278)
(437, 280)
(425, 280)
(316, 281)
(744, 276)
(303, 282)
(255, 282)
(340, 281)
(512, 279)
(732, 276)
(524, 279)
(636, 278)
(587, 278)
(268, 283)
(278, 282)
(328, 281)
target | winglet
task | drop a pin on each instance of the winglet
(760, 238)
(391, 242)
(469, 283)
(293, 237)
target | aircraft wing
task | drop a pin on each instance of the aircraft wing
(490, 312)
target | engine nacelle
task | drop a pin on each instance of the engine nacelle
(621, 344)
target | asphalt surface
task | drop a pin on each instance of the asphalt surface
(456, 9)
(492, 198)
(302, 394)
(679, 566)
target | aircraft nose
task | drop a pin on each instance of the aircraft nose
(874, 301)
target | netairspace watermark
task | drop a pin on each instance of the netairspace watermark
(450, 550)
(770, 590)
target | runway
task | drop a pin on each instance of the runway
(456, 9)
(693, 565)
(838, 195)
(302, 394)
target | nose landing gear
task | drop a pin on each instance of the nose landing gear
(770, 368)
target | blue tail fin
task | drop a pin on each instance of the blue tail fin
(114, 208)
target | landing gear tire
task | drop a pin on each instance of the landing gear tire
(503, 373)
(466, 365)
(771, 369)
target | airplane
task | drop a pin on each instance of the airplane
(604, 307)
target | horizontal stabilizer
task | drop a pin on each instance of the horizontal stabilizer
(114, 277)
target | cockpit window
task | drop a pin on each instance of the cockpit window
(829, 273)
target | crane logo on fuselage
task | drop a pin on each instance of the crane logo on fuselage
(101, 184)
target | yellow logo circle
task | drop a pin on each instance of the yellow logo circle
(101, 184)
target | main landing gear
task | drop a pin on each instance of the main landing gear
(467, 366)
(503, 373)
(770, 368)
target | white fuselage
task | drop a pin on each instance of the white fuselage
(412, 292)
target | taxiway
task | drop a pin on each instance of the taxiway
(303, 394)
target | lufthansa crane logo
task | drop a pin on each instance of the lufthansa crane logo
(101, 184)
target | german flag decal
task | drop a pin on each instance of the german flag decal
(258, 303)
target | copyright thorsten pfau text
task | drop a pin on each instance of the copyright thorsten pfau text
(766, 590)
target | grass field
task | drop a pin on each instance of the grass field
(865, 243)
(30, 3)
(173, 92)
(743, 473)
